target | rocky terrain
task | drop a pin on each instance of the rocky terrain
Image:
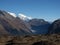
(12, 26)
(53, 39)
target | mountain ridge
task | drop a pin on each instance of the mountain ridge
(11, 25)
(7, 20)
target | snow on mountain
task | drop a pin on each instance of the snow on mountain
(23, 17)
(12, 14)
(33, 31)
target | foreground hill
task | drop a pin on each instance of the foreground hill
(52, 39)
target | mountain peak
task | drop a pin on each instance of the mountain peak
(12, 14)
(23, 17)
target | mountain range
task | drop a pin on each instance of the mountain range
(10, 24)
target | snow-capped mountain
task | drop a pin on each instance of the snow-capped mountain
(12, 14)
(12, 26)
(24, 17)
(21, 16)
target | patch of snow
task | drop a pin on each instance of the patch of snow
(23, 17)
(12, 14)
(33, 31)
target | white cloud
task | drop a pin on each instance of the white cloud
(13, 14)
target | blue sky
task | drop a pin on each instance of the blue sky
(45, 9)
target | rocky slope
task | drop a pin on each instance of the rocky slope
(11, 25)
(55, 27)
